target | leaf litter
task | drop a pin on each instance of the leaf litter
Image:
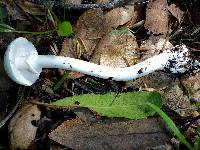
(102, 37)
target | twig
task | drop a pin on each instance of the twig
(103, 6)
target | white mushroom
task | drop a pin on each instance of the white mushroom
(24, 65)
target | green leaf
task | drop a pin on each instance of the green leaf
(171, 125)
(65, 29)
(6, 28)
(131, 105)
(61, 81)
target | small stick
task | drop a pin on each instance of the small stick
(103, 6)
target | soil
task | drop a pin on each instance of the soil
(117, 33)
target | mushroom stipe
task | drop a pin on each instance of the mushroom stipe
(23, 64)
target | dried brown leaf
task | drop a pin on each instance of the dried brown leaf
(91, 28)
(31, 8)
(176, 12)
(137, 134)
(22, 131)
(121, 15)
(192, 85)
(157, 17)
(176, 100)
(117, 49)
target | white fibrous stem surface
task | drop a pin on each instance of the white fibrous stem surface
(175, 60)
(24, 65)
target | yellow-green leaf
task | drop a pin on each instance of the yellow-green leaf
(65, 29)
(131, 105)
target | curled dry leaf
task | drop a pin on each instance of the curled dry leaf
(157, 17)
(91, 28)
(94, 24)
(117, 49)
(22, 128)
(121, 15)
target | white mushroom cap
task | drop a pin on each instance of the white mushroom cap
(15, 61)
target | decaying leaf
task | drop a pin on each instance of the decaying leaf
(154, 45)
(91, 28)
(176, 12)
(128, 105)
(117, 49)
(94, 24)
(68, 48)
(175, 99)
(121, 15)
(22, 129)
(31, 8)
(138, 134)
(192, 85)
(153, 81)
(157, 17)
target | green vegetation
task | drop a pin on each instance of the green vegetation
(65, 29)
(61, 81)
(132, 105)
(171, 125)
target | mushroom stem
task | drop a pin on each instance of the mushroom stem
(157, 62)
(24, 65)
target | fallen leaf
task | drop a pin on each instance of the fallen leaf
(128, 105)
(192, 85)
(151, 81)
(157, 17)
(31, 8)
(138, 134)
(155, 44)
(176, 100)
(117, 49)
(22, 127)
(90, 28)
(176, 12)
(121, 15)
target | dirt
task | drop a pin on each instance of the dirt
(118, 34)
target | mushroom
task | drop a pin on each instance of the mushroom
(23, 64)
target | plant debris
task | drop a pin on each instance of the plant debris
(111, 134)
(23, 127)
(115, 33)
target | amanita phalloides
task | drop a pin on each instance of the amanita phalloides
(24, 65)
